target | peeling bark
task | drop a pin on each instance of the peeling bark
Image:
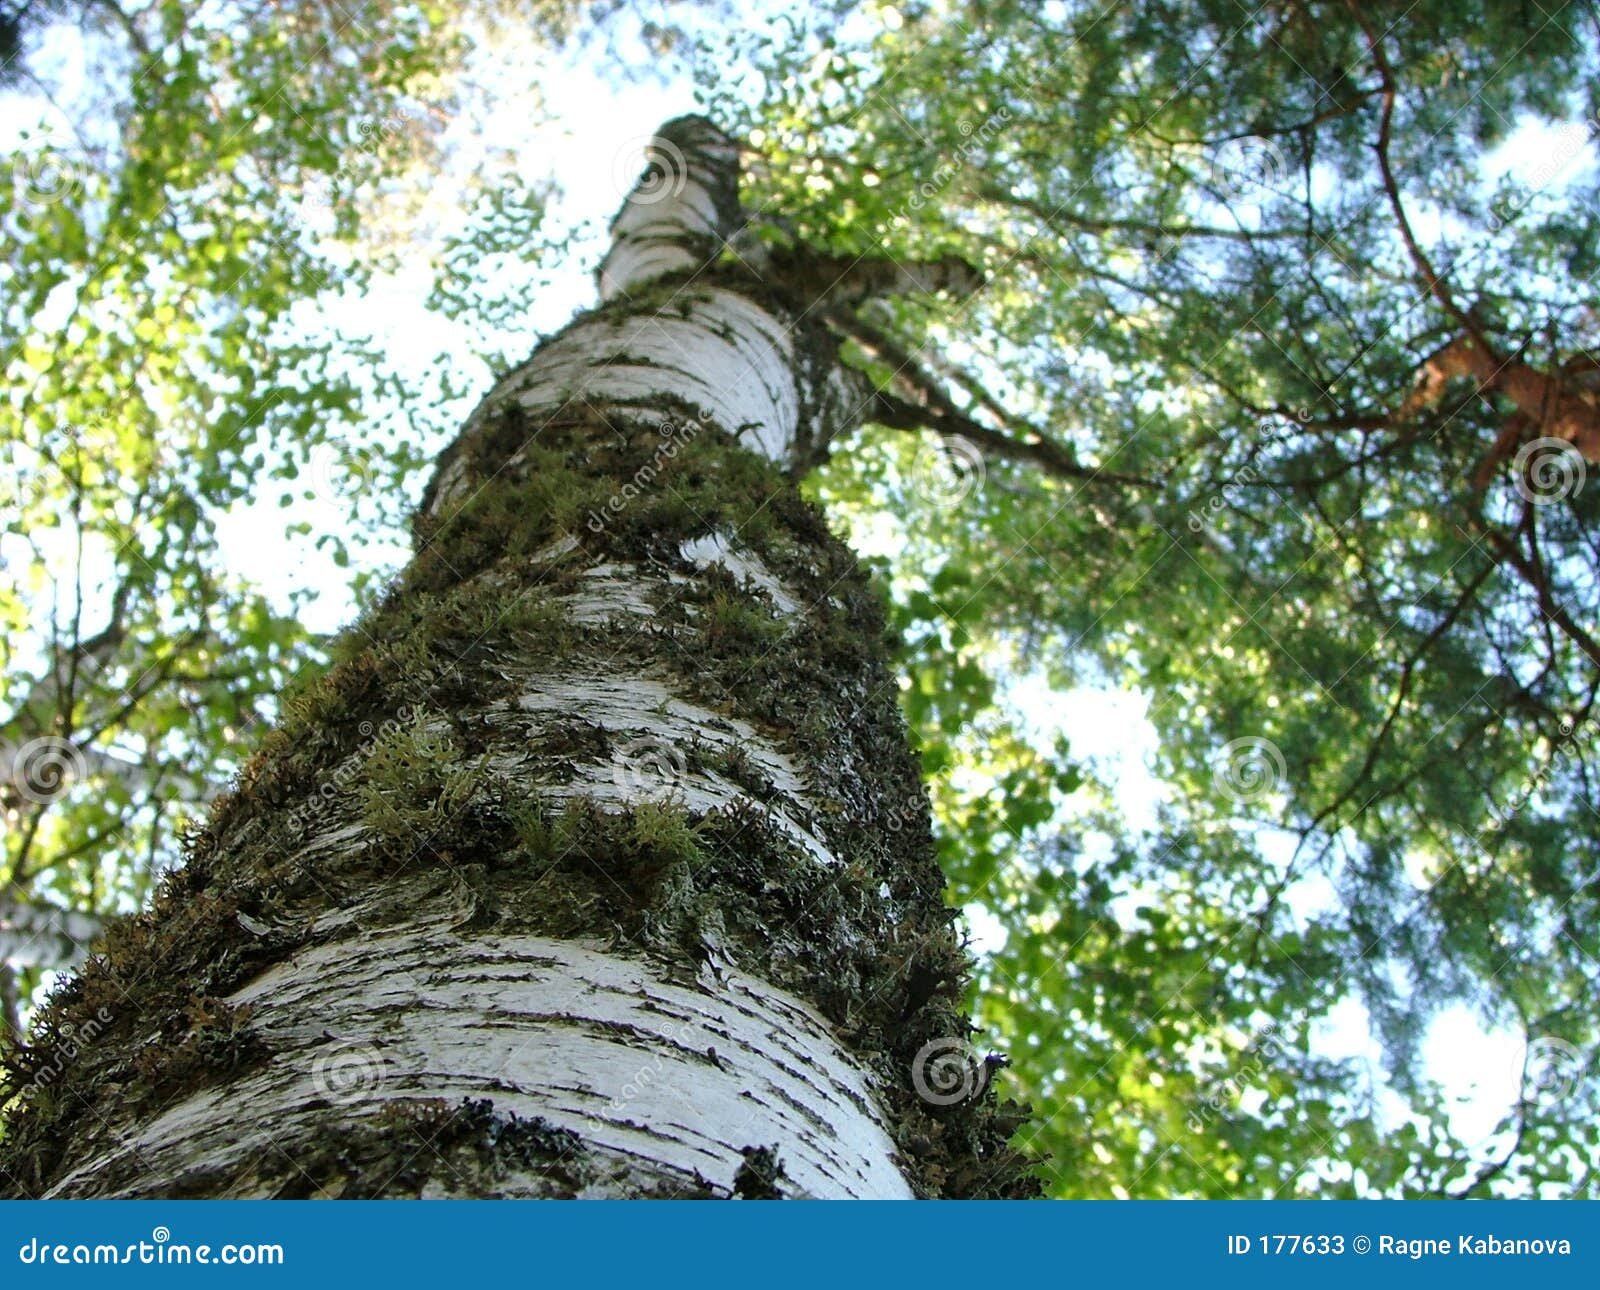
(657, 1084)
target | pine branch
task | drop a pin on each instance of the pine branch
(930, 407)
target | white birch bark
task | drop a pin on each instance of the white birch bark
(671, 1062)
(665, 1076)
(664, 1081)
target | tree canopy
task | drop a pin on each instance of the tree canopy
(1274, 410)
(185, 188)
(1217, 435)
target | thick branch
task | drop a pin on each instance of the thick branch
(814, 278)
(931, 408)
(1543, 402)
(1549, 606)
(897, 414)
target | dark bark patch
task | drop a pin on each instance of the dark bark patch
(760, 1176)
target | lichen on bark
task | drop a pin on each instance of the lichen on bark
(460, 795)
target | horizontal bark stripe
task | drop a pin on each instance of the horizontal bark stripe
(675, 1076)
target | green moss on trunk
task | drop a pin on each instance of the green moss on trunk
(414, 735)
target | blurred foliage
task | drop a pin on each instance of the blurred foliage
(1362, 620)
(184, 190)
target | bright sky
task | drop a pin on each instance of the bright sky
(597, 154)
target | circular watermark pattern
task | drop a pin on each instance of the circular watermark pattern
(43, 769)
(334, 472)
(1248, 168)
(348, 1073)
(946, 471)
(947, 1071)
(1249, 769)
(160, 1235)
(43, 178)
(646, 765)
(1550, 1068)
(1548, 470)
(372, 131)
(649, 169)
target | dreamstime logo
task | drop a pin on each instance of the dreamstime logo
(348, 1073)
(650, 169)
(1267, 1043)
(1573, 737)
(160, 1250)
(348, 770)
(1566, 144)
(675, 436)
(947, 1071)
(642, 764)
(675, 1037)
(971, 151)
(42, 770)
(912, 811)
(1249, 769)
(1270, 430)
(43, 178)
(321, 193)
(371, 133)
(315, 201)
(1248, 168)
(946, 471)
(70, 1041)
(1549, 1068)
(1548, 470)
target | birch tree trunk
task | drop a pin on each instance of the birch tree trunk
(598, 865)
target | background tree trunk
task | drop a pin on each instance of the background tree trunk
(598, 864)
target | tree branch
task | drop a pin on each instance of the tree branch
(1542, 401)
(816, 279)
(934, 409)
(1407, 672)
(1390, 88)
(1531, 574)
